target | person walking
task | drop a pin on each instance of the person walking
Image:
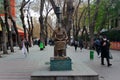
(38, 42)
(75, 44)
(24, 50)
(105, 44)
(98, 46)
(81, 44)
(27, 45)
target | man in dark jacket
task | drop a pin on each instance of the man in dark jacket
(98, 46)
(105, 44)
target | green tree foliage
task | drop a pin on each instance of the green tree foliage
(114, 9)
(107, 10)
(112, 35)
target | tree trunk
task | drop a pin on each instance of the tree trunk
(7, 11)
(54, 6)
(16, 31)
(11, 41)
(24, 2)
(4, 36)
(29, 29)
(23, 22)
(92, 25)
(32, 27)
(70, 10)
(42, 35)
(46, 27)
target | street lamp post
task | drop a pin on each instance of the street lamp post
(58, 13)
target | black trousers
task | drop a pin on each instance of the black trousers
(107, 59)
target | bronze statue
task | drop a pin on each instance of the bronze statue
(60, 38)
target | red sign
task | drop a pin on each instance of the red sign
(12, 7)
(115, 45)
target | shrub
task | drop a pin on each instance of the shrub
(112, 35)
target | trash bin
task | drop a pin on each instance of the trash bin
(41, 45)
(91, 54)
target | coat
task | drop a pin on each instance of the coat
(105, 48)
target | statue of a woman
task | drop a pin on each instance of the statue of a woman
(60, 38)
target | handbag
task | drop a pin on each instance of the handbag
(110, 55)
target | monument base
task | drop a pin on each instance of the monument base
(60, 64)
(79, 72)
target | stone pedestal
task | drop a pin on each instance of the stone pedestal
(60, 64)
(79, 72)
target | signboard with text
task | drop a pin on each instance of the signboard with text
(12, 7)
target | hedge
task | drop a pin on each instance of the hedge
(112, 35)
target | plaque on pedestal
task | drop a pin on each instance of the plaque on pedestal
(60, 64)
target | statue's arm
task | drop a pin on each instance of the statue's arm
(66, 37)
(54, 36)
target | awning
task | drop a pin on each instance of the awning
(21, 32)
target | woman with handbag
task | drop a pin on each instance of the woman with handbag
(24, 49)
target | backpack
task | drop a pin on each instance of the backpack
(97, 42)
